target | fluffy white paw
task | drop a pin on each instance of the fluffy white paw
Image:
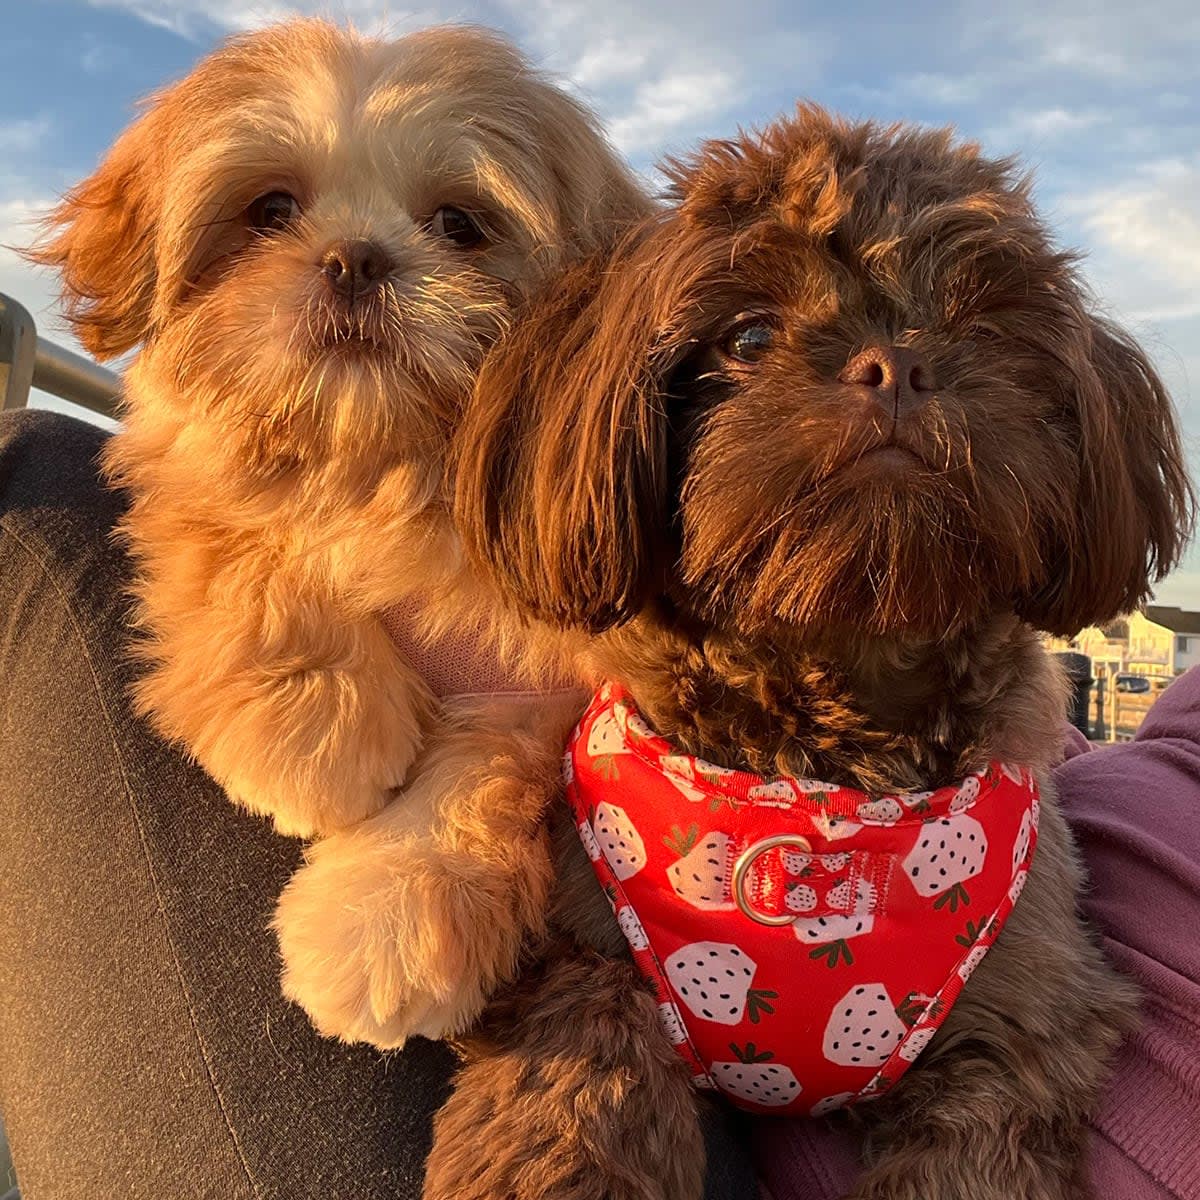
(383, 938)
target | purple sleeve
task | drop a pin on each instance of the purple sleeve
(1135, 810)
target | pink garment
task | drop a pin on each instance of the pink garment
(1135, 810)
(462, 663)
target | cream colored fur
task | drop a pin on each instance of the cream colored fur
(285, 451)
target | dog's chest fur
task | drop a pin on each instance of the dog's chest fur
(887, 718)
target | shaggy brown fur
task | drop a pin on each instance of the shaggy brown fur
(798, 564)
(285, 439)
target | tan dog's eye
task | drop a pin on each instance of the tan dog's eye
(749, 342)
(272, 212)
(456, 226)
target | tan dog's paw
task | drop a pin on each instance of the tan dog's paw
(384, 936)
(320, 749)
(328, 751)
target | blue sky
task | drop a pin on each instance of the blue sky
(1102, 100)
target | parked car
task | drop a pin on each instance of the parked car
(1133, 683)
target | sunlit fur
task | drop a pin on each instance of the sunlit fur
(285, 452)
(776, 597)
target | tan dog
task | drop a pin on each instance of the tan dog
(812, 455)
(314, 237)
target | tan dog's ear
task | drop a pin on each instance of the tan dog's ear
(562, 468)
(596, 191)
(1135, 502)
(101, 237)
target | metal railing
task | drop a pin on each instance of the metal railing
(29, 361)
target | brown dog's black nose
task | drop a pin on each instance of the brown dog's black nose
(353, 268)
(900, 377)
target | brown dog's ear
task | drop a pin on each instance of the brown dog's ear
(562, 488)
(1135, 502)
(101, 237)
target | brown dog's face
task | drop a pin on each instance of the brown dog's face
(846, 380)
(326, 230)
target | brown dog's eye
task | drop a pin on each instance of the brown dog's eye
(272, 212)
(456, 226)
(749, 342)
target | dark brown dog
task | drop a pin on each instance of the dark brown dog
(813, 455)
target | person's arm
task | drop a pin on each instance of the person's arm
(1135, 811)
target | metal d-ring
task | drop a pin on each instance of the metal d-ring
(743, 864)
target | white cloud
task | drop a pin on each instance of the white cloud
(101, 57)
(662, 106)
(658, 73)
(194, 18)
(26, 135)
(1048, 123)
(1145, 235)
(942, 89)
(1081, 37)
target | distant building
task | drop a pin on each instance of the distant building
(1160, 640)
(1163, 641)
(1108, 647)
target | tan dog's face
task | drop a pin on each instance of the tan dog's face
(846, 382)
(328, 230)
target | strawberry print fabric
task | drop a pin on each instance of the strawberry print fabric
(883, 905)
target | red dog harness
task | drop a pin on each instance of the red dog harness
(804, 941)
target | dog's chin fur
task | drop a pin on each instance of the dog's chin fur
(285, 447)
(777, 595)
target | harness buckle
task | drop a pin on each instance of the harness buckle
(741, 873)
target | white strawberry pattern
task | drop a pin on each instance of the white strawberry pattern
(774, 791)
(811, 786)
(606, 738)
(863, 1028)
(619, 841)
(672, 1023)
(799, 898)
(568, 768)
(588, 838)
(632, 722)
(679, 770)
(701, 875)
(835, 862)
(1021, 844)
(910, 1049)
(835, 827)
(966, 795)
(755, 1078)
(1018, 885)
(834, 927)
(795, 862)
(632, 928)
(947, 852)
(967, 967)
(828, 1104)
(884, 811)
(713, 981)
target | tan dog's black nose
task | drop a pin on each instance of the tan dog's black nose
(353, 268)
(901, 378)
